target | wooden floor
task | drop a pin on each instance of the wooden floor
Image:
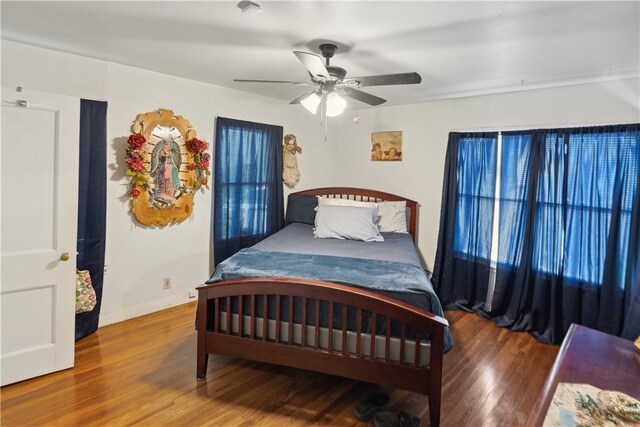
(142, 372)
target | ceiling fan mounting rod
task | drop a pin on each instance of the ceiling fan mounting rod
(328, 50)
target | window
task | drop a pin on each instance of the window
(574, 199)
(248, 201)
(549, 229)
(512, 186)
(600, 166)
(476, 180)
(560, 237)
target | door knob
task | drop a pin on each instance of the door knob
(64, 256)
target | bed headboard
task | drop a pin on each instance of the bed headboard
(365, 195)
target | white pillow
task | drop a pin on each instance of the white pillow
(392, 217)
(347, 222)
(345, 202)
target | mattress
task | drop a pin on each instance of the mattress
(323, 339)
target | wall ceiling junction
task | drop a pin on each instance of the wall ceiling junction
(459, 48)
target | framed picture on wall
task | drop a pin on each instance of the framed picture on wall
(166, 166)
(386, 146)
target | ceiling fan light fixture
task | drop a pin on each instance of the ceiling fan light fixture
(311, 103)
(335, 104)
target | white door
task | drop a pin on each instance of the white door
(39, 183)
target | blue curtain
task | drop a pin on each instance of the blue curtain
(631, 327)
(531, 167)
(569, 250)
(92, 205)
(568, 230)
(602, 189)
(462, 265)
(248, 192)
(514, 190)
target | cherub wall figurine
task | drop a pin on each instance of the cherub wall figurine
(290, 172)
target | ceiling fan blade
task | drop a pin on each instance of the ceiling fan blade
(365, 97)
(388, 79)
(301, 97)
(273, 81)
(313, 64)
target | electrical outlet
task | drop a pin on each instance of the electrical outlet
(192, 294)
(166, 283)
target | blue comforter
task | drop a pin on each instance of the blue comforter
(364, 273)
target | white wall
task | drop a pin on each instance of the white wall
(138, 257)
(426, 127)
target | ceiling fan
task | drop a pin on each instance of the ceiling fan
(331, 84)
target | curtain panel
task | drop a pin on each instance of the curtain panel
(92, 205)
(248, 192)
(567, 233)
(462, 265)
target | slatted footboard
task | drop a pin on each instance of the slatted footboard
(324, 348)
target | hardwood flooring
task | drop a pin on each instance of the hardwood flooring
(142, 372)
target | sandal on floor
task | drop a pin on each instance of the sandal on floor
(395, 419)
(370, 405)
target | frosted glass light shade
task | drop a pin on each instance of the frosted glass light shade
(335, 104)
(311, 103)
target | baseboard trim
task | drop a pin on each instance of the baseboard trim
(142, 309)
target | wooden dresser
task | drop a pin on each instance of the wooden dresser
(591, 357)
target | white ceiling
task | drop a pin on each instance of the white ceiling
(459, 48)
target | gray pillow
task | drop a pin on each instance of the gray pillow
(301, 209)
(347, 222)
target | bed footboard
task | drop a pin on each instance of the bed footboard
(374, 364)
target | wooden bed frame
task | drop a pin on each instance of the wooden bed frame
(370, 368)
